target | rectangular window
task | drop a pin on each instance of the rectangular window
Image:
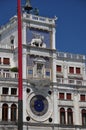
(4, 90)
(58, 68)
(77, 70)
(13, 91)
(71, 70)
(82, 97)
(68, 96)
(6, 61)
(61, 95)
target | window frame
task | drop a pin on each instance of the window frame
(14, 89)
(78, 70)
(82, 97)
(6, 61)
(83, 113)
(5, 112)
(71, 70)
(69, 116)
(58, 68)
(13, 112)
(68, 96)
(5, 91)
(62, 116)
(62, 96)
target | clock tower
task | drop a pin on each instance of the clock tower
(39, 70)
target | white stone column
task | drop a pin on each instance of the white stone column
(55, 106)
(65, 72)
(54, 68)
(9, 112)
(66, 115)
(76, 109)
(53, 38)
(1, 112)
(24, 103)
(24, 64)
(84, 75)
(24, 33)
(9, 91)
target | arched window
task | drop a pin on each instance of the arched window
(69, 116)
(62, 116)
(83, 117)
(12, 39)
(5, 112)
(13, 112)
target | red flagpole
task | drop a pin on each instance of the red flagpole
(20, 102)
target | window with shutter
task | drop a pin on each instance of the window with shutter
(6, 61)
(61, 95)
(68, 96)
(71, 70)
(77, 70)
(82, 97)
(58, 68)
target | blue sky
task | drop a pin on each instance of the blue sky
(70, 26)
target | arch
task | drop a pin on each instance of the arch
(62, 115)
(13, 112)
(83, 113)
(69, 116)
(5, 112)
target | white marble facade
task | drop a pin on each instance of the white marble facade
(54, 83)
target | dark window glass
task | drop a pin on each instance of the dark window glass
(5, 112)
(68, 96)
(61, 95)
(62, 116)
(58, 68)
(77, 70)
(13, 112)
(69, 116)
(13, 91)
(5, 90)
(71, 69)
(6, 61)
(82, 97)
(83, 117)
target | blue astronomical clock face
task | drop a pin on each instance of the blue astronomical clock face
(39, 105)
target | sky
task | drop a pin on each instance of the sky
(70, 26)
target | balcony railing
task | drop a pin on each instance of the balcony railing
(62, 55)
(71, 81)
(8, 75)
(40, 19)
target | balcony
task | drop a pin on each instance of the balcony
(40, 19)
(71, 57)
(10, 98)
(71, 81)
(65, 103)
(9, 75)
